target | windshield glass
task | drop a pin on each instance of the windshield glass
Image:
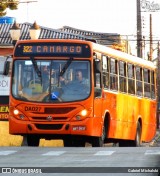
(55, 81)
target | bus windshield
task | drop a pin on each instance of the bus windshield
(55, 81)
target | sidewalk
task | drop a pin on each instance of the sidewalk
(156, 141)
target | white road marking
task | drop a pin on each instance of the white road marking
(7, 152)
(104, 153)
(152, 152)
(98, 153)
(54, 153)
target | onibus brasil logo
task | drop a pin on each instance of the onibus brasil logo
(149, 6)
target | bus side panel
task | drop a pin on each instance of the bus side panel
(153, 117)
(127, 113)
(124, 112)
(133, 105)
(109, 106)
(149, 119)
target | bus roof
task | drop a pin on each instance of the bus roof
(102, 49)
(124, 56)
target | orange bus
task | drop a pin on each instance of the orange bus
(115, 101)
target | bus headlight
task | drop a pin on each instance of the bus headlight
(19, 115)
(82, 114)
(16, 112)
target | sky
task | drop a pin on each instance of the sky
(108, 16)
(94, 15)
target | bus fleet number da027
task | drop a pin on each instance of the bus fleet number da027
(33, 108)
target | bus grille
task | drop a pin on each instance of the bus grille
(49, 126)
(58, 110)
(54, 118)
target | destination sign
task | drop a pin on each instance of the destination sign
(53, 49)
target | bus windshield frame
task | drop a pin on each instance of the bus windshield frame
(49, 85)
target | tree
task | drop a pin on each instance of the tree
(10, 4)
(118, 46)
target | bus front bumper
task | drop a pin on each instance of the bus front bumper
(83, 127)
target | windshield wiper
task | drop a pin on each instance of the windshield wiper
(67, 64)
(37, 70)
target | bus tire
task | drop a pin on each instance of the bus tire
(132, 143)
(137, 141)
(33, 140)
(99, 141)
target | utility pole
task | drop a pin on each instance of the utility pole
(27, 2)
(151, 44)
(158, 85)
(139, 30)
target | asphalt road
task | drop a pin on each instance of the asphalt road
(60, 161)
(80, 161)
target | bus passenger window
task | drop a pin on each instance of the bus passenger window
(147, 92)
(152, 86)
(105, 72)
(113, 74)
(122, 76)
(113, 82)
(131, 79)
(139, 81)
(105, 80)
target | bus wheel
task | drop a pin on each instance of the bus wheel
(33, 140)
(99, 141)
(133, 143)
(137, 141)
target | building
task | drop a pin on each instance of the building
(113, 40)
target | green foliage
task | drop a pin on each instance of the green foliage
(13, 6)
(10, 4)
(3, 14)
(2, 7)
